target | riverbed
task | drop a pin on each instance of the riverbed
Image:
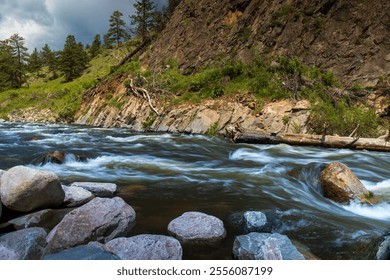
(164, 175)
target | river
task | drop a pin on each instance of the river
(165, 175)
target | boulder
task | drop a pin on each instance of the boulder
(54, 157)
(341, 185)
(98, 189)
(254, 221)
(82, 252)
(383, 252)
(25, 244)
(265, 246)
(146, 247)
(101, 219)
(46, 219)
(25, 189)
(197, 228)
(75, 196)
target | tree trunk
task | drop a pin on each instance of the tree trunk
(327, 141)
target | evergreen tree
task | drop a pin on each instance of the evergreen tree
(117, 31)
(73, 59)
(7, 66)
(96, 44)
(143, 19)
(20, 55)
(35, 61)
(50, 59)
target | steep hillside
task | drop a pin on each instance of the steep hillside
(350, 38)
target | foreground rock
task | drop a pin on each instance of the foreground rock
(384, 249)
(25, 189)
(83, 252)
(46, 219)
(101, 219)
(25, 244)
(75, 196)
(197, 228)
(265, 246)
(341, 185)
(98, 189)
(146, 247)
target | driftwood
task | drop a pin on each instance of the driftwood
(144, 93)
(328, 141)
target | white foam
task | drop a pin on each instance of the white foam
(379, 211)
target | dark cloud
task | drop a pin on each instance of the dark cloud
(50, 21)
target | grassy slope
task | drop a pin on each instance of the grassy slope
(62, 98)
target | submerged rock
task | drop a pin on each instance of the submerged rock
(25, 244)
(254, 221)
(82, 252)
(341, 185)
(383, 252)
(101, 219)
(146, 247)
(197, 228)
(98, 189)
(265, 246)
(59, 157)
(25, 189)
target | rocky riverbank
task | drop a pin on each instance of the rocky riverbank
(88, 221)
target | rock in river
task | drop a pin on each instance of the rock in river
(101, 219)
(265, 246)
(25, 244)
(75, 196)
(146, 247)
(82, 252)
(341, 185)
(98, 189)
(25, 189)
(197, 228)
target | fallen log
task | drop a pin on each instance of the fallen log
(327, 141)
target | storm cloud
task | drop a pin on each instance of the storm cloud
(50, 21)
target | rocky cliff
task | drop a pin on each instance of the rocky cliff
(350, 38)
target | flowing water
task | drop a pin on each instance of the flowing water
(165, 175)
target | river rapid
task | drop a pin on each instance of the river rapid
(165, 175)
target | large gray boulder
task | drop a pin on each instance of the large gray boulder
(25, 189)
(98, 189)
(83, 252)
(341, 185)
(197, 228)
(146, 247)
(75, 196)
(25, 244)
(265, 246)
(101, 219)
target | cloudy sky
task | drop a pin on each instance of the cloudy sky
(50, 21)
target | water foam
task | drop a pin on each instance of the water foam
(379, 211)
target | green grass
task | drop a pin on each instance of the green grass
(63, 99)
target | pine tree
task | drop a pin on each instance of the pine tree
(73, 59)
(7, 66)
(143, 19)
(35, 62)
(95, 47)
(50, 59)
(117, 32)
(20, 55)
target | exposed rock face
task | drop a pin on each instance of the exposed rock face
(341, 185)
(197, 228)
(101, 219)
(25, 244)
(351, 38)
(189, 118)
(265, 246)
(82, 252)
(76, 196)
(146, 247)
(25, 189)
(98, 189)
